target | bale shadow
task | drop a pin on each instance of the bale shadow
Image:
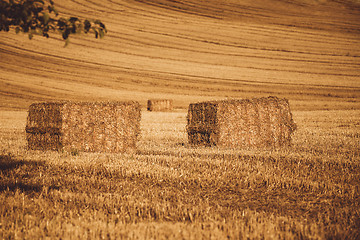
(26, 188)
(9, 162)
(12, 177)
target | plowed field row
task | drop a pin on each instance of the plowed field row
(192, 50)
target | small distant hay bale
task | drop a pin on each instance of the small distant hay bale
(247, 123)
(83, 126)
(160, 105)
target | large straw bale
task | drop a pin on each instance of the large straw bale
(247, 123)
(160, 105)
(83, 126)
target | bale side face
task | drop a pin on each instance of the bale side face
(202, 124)
(43, 127)
(92, 127)
(160, 105)
(249, 123)
(233, 123)
(43, 141)
(101, 127)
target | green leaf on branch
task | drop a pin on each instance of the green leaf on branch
(87, 25)
(46, 18)
(67, 41)
(101, 33)
(65, 34)
(40, 17)
(73, 19)
(103, 26)
(39, 1)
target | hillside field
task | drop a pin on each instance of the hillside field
(307, 51)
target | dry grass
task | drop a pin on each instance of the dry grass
(304, 50)
(169, 189)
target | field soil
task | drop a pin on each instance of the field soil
(307, 51)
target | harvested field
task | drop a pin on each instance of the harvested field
(83, 126)
(169, 189)
(160, 105)
(306, 51)
(257, 122)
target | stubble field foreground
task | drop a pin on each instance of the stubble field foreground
(168, 189)
(304, 50)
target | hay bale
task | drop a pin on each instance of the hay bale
(248, 123)
(160, 105)
(83, 126)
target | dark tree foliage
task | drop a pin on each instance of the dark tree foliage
(38, 17)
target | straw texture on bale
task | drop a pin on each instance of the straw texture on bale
(83, 126)
(247, 123)
(160, 105)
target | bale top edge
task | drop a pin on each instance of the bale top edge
(160, 99)
(234, 101)
(87, 103)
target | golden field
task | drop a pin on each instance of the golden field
(305, 50)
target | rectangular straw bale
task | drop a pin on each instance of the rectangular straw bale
(84, 126)
(247, 123)
(160, 105)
